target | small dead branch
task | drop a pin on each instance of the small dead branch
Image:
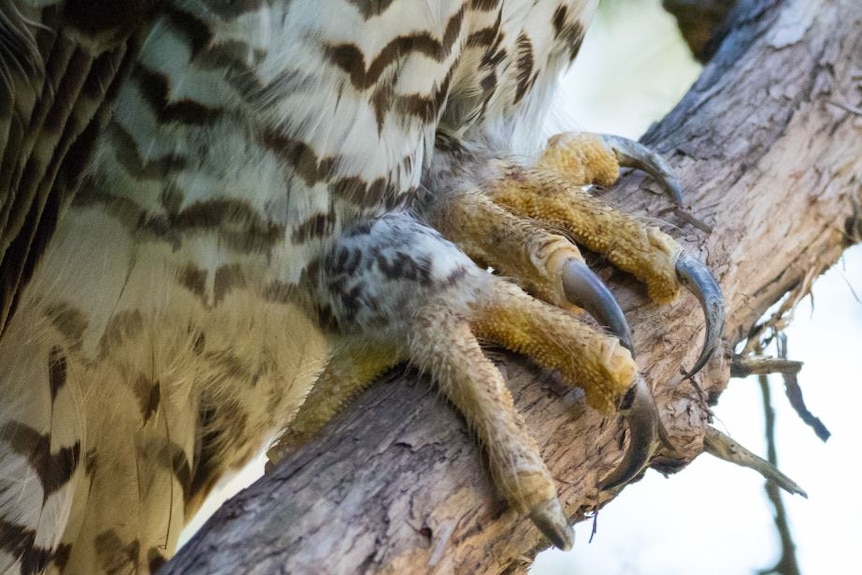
(745, 366)
(793, 391)
(787, 563)
(722, 446)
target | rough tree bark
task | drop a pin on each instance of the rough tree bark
(768, 145)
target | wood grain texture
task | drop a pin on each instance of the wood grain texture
(768, 145)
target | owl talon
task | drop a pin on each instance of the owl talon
(584, 288)
(632, 154)
(638, 409)
(695, 277)
(551, 520)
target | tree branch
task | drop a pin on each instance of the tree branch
(769, 152)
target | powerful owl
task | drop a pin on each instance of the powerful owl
(222, 219)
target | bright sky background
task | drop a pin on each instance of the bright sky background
(713, 517)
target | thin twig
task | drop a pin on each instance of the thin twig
(787, 563)
(794, 394)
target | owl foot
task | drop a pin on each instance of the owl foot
(443, 341)
(515, 224)
(395, 290)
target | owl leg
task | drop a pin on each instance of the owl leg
(394, 289)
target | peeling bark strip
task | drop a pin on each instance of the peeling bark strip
(769, 152)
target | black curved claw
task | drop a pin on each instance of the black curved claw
(584, 288)
(695, 277)
(638, 409)
(631, 154)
